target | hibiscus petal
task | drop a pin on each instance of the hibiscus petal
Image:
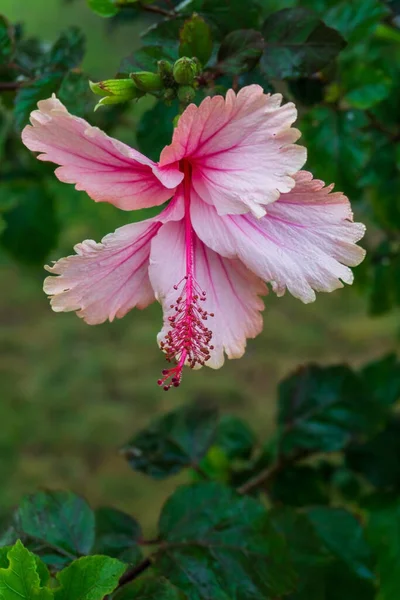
(303, 243)
(108, 170)
(232, 291)
(241, 149)
(106, 280)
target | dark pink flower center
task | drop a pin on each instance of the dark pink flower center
(188, 340)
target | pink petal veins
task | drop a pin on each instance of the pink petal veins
(108, 170)
(305, 242)
(241, 149)
(106, 280)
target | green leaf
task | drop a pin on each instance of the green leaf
(381, 178)
(56, 522)
(235, 438)
(382, 378)
(144, 59)
(89, 578)
(343, 536)
(196, 39)
(299, 486)
(32, 226)
(383, 532)
(42, 570)
(305, 547)
(75, 93)
(117, 535)
(220, 545)
(297, 43)
(378, 459)
(20, 579)
(228, 16)
(240, 51)
(155, 588)
(321, 409)
(68, 51)
(165, 34)
(365, 86)
(356, 20)
(6, 41)
(179, 439)
(338, 145)
(104, 8)
(28, 97)
(322, 576)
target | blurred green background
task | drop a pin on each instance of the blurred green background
(72, 394)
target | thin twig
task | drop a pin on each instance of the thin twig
(10, 85)
(264, 477)
(261, 479)
(133, 573)
(146, 7)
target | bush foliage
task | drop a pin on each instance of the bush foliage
(314, 512)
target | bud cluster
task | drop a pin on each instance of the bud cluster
(178, 80)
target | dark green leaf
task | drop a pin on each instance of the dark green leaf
(356, 20)
(305, 546)
(343, 536)
(75, 93)
(297, 43)
(240, 51)
(228, 16)
(220, 545)
(104, 8)
(338, 145)
(381, 297)
(321, 409)
(20, 579)
(299, 486)
(155, 588)
(308, 90)
(67, 52)
(117, 535)
(256, 77)
(28, 97)
(365, 86)
(59, 523)
(32, 226)
(165, 34)
(321, 576)
(381, 178)
(178, 440)
(383, 532)
(378, 459)
(144, 59)
(89, 578)
(235, 438)
(6, 41)
(382, 377)
(196, 40)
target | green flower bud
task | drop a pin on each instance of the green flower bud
(185, 70)
(115, 91)
(146, 81)
(165, 72)
(169, 95)
(186, 94)
(197, 64)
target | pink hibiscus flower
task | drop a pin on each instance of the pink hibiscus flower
(241, 214)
